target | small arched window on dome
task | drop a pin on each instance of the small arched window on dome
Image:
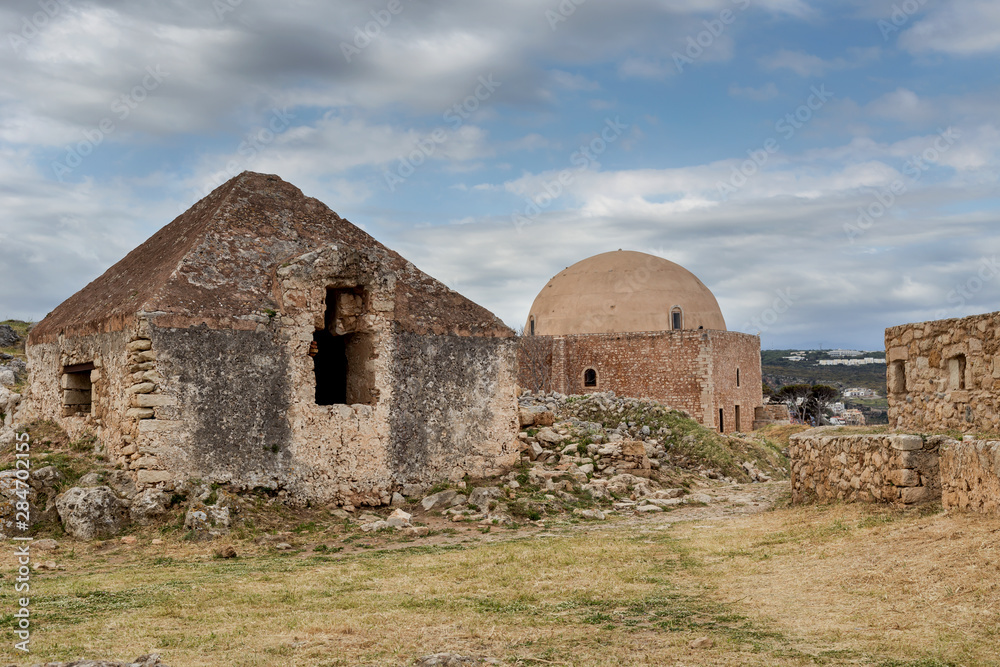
(590, 378)
(676, 318)
(531, 326)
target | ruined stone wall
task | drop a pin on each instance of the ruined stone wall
(945, 375)
(695, 371)
(970, 475)
(454, 408)
(898, 469)
(110, 380)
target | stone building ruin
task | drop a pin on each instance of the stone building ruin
(260, 340)
(941, 376)
(644, 327)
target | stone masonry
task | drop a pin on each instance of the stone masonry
(260, 340)
(700, 372)
(945, 375)
(897, 469)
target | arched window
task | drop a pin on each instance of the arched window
(590, 378)
(531, 326)
(676, 318)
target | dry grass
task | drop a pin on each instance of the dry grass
(797, 586)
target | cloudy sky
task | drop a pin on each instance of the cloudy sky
(826, 168)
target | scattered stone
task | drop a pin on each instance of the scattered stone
(648, 508)
(416, 531)
(375, 526)
(399, 519)
(702, 642)
(149, 505)
(398, 499)
(593, 515)
(438, 500)
(129, 539)
(695, 498)
(548, 436)
(226, 551)
(8, 337)
(87, 514)
(45, 545)
(283, 546)
(157, 542)
(481, 496)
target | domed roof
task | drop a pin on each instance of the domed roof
(623, 291)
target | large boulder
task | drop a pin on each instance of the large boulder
(8, 337)
(148, 506)
(481, 496)
(94, 513)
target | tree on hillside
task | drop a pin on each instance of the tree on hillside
(807, 402)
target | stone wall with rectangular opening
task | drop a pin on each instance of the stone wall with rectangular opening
(945, 375)
(898, 469)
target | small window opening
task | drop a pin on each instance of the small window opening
(342, 351)
(956, 371)
(737, 379)
(722, 423)
(737, 420)
(590, 378)
(531, 326)
(897, 377)
(676, 318)
(78, 390)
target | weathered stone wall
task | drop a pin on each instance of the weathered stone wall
(945, 375)
(970, 475)
(898, 469)
(111, 381)
(695, 371)
(735, 377)
(773, 413)
(454, 403)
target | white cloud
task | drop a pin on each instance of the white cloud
(808, 65)
(970, 27)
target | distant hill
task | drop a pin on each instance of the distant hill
(779, 371)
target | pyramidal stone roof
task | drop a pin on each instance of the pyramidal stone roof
(215, 265)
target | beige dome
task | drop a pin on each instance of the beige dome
(622, 291)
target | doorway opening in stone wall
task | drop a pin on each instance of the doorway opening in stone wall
(78, 389)
(590, 378)
(343, 350)
(722, 424)
(736, 421)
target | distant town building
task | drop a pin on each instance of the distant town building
(853, 418)
(837, 408)
(860, 392)
(795, 357)
(844, 353)
(851, 362)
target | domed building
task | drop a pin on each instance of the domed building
(642, 326)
